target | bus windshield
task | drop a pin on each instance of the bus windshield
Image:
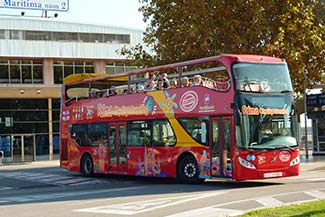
(257, 77)
(267, 123)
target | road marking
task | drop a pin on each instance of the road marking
(316, 179)
(269, 201)
(73, 180)
(316, 194)
(52, 179)
(213, 210)
(134, 208)
(62, 195)
(209, 212)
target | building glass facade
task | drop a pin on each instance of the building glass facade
(35, 57)
(21, 71)
(64, 68)
(11, 34)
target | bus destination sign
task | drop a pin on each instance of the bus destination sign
(47, 5)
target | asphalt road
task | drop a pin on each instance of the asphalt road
(42, 189)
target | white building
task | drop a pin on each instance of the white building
(35, 56)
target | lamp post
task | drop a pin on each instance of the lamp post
(305, 113)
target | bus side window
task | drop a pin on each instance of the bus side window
(163, 134)
(79, 133)
(139, 133)
(132, 138)
(196, 128)
(144, 137)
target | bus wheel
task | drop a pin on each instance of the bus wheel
(188, 171)
(87, 166)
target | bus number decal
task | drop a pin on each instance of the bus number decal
(189, 101)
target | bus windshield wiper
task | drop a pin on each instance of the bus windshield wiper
(286, 146)
(255, 146)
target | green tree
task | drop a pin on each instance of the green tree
(187, 29)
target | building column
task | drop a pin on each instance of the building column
(49, 102)
(100, 67)
(48, 71)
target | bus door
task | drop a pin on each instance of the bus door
(117, 147)
(220, 147)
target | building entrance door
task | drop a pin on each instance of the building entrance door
(23, 147)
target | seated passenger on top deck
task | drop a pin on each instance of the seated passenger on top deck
(173, 83)
(186, 82)
(197, 80)
(160, 85)
(165, 80)
(150, 84)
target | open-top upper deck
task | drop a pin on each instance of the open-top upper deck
(226, 60)
(212, 72)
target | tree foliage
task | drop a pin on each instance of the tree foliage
(187, 29)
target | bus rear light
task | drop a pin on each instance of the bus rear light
(246, 164)
(295, 161)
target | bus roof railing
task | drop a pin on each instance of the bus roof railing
(156, 68)
(248, 57)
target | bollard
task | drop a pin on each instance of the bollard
(2, 156)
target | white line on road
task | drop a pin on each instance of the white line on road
(269, 201)
(316, 179)
(209, 212)
(213, 210)
(51, 179)
(62, 195)
(316, 194)
(147, 205)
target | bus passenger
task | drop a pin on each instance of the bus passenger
(113, 91)
(186, 82)
(197, 80)
(160, 85)
(173, 83)
(140, 88)
(208, 83)
(106, 93)
(93, 94)
(150, 84)
(165, 80)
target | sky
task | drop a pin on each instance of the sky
(121, 13)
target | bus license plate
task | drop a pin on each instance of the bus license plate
(272, 175)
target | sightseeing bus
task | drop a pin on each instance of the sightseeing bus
(233, 117)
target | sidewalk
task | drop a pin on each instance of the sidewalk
(313, 162)
(27, 165)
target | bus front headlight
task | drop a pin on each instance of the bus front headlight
(246, 164)
(295, 161)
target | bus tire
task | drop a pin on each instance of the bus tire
(188, 171)
(87, 166)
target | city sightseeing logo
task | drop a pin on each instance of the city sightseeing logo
(189, 101)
